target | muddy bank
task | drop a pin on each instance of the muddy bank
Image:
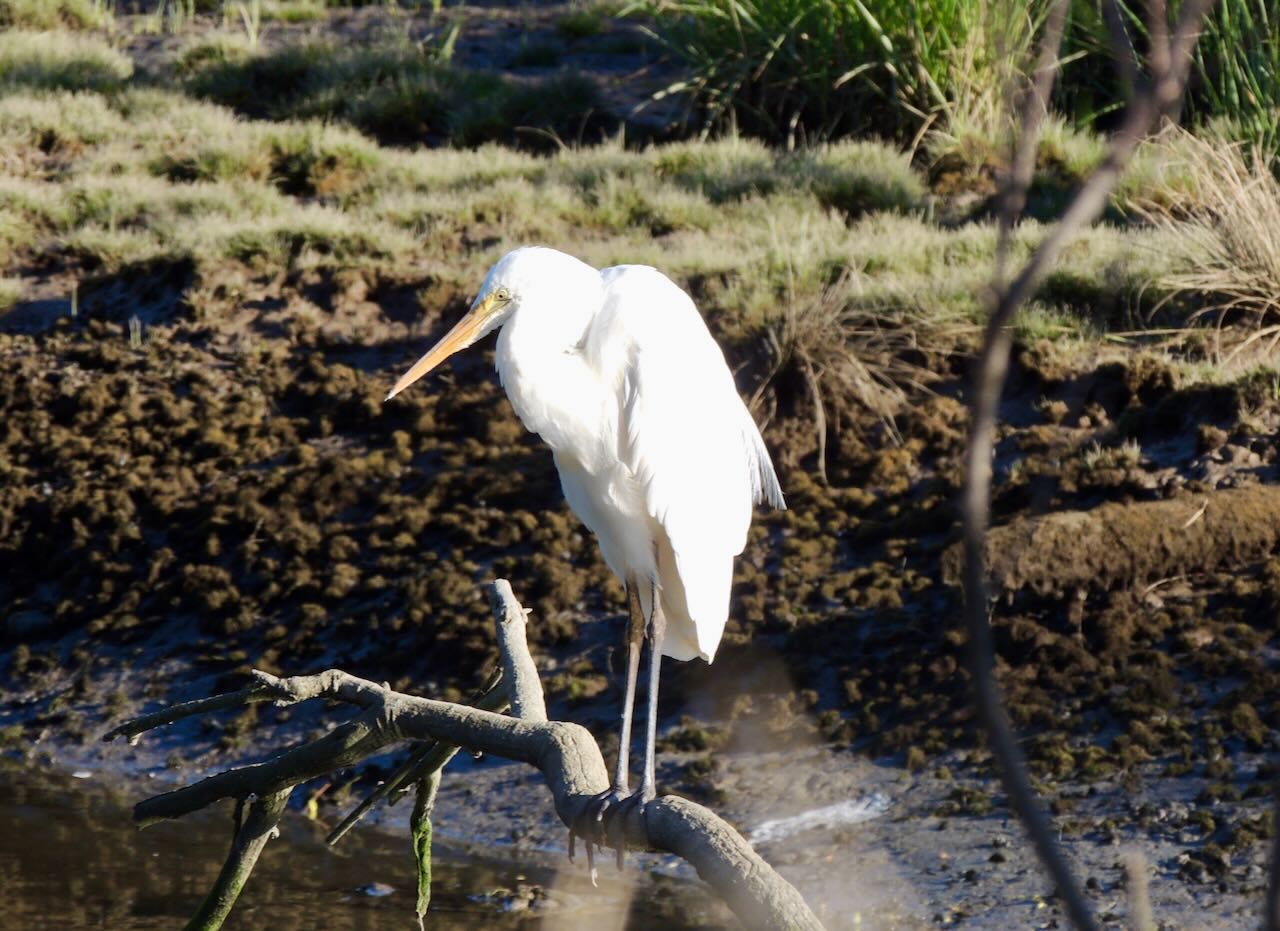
(1126, 544)
(221, 491)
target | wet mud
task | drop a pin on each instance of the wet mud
(218, 486)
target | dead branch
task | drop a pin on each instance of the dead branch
(1152, 98)
(565, 753)
(246, 844)
(424, 762)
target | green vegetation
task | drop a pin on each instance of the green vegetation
(67, 60)
(55, 14)
(1238, 66)
(398, 92)
(815, 69)
(822, 68)
(294, 11)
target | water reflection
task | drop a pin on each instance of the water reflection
(70, 858)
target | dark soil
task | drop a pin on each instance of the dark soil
(225, 490)
(230, 492)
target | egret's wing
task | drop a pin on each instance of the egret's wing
(683, 431)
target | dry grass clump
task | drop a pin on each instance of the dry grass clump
(55, 14)
(60, 60)
(1224, 232)
(851, 354)
(10, 293)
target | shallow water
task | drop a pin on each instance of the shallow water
(70, 858)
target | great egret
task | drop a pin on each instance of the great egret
(657, 454)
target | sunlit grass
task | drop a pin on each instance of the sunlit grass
(828, 253)
(10, 293)
(56, 14)
(151, 172)
(1225, 237)
(396, 91)
(60, 59)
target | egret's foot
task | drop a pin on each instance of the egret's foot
(607, 819)
(627, 820)
(592, 824)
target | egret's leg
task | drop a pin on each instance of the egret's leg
(635, 637)
(591, 824)
(657, 630)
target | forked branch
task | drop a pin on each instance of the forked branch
(566, 754)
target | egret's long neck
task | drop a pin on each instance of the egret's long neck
(553, 389)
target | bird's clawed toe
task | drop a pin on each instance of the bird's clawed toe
(607, 820)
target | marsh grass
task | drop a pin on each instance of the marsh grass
(58, 59)
(789, 70)
(828, 254)
(852, 354)
(10, 293)
(56, 14)
(1237, 93)
(1225, 237)
(397, 91)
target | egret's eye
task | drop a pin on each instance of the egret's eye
(503, 296)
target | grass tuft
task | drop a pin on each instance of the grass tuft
(818, 69)
(1226, 235)
(400, 93)
(10, 294)
(60, 61)
(55, 14)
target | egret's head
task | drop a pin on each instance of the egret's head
(498, 298)
(529, 275)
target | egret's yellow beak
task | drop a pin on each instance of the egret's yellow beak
(465, 332)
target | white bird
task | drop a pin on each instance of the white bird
(657, 454)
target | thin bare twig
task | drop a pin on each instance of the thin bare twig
(1150, 101)
(1013, 189)
(132, 728)
(1126, 56)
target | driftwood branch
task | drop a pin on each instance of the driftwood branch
(565, 753)
(424, 762)
(1152, 98)
(249, 838)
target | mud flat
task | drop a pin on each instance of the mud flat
(175, 515)
(203, 311)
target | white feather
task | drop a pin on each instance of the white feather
(657, 454)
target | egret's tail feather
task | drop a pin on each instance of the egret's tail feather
(764, 480)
